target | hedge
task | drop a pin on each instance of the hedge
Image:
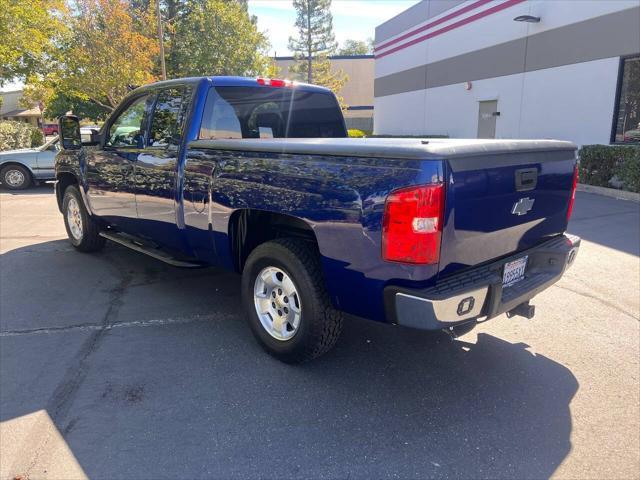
(616, 166)
(15, 135)
(355, 133)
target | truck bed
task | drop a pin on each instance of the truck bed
(339, 187)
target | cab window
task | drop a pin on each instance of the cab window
(168, 117)
(128, 129)
(219, 120)
(264, 112)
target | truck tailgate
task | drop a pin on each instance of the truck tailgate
(503, 203)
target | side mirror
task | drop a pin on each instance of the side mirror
(69, 127)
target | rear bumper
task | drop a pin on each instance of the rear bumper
(478, 292)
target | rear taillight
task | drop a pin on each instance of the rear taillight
(573, 192)
(274, 82)
(412, 224)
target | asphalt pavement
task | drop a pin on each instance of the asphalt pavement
(116, 366)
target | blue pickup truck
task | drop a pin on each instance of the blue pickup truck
(257, 176)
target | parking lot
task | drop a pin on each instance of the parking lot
(114, 365)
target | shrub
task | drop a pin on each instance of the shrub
(355, 133)
(606, 165)
(37, 137)
(630, 171)
(15, 135)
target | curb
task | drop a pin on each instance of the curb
(610, 192)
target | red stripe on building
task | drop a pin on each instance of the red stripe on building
(455, 14)
(453, 26)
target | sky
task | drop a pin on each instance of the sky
(352, 19)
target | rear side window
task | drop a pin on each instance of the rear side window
(168, 117)
(264, 112)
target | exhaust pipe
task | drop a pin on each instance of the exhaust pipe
(523, 310)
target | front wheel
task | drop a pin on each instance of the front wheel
(82, 230)
(288, 308)
(15, 177)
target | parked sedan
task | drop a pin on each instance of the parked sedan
(21, 168)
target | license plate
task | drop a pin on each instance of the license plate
(514, 271)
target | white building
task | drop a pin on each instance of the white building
(564, 69)
(11, 108)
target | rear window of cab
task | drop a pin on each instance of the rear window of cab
(264, 112)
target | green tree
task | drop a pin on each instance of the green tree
(59, 104)
(28, 29)
(315, 40)
(326, 75)
(216, 37)
(356, 47)
(110, 47)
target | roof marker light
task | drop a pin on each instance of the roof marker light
(274, 82)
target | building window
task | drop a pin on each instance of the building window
(627, 114)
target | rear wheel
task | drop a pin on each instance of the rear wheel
(288, 308)
(82, 230)
(15, 177)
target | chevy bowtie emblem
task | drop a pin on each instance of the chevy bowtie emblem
(522, 206)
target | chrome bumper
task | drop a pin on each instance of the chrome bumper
(478, 292)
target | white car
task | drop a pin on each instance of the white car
(85, 132)
(21, 168)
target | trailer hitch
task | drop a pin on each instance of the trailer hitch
(522, 310)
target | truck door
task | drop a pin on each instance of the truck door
(110, 169)
(156, 168)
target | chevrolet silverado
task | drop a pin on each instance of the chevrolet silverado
(257, 176)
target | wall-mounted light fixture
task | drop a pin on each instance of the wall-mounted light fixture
(527, 18)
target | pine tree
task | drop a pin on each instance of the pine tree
(315, 34)
(313, 46)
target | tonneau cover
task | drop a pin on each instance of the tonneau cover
(418, 149)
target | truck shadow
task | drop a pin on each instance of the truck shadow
(40, 189)
(192, 395)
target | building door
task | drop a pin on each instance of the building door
(487, 113)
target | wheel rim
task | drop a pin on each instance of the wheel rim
(74, 219)
(14, 178)
(277, 303)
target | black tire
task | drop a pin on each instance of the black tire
(320, 323)
(90, 239)
(11, 175)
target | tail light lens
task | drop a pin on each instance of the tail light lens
(412, 224)
(573, 192)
